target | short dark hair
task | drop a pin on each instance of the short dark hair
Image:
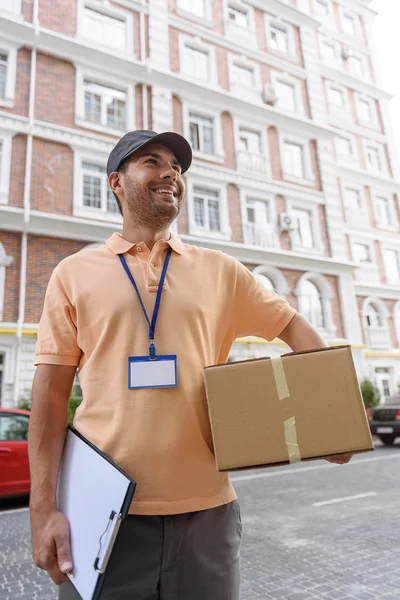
(121, 169)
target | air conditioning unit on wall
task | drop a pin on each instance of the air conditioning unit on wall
(286, 222)
(269, 95)
(346, 52)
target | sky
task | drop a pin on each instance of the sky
(386, 35)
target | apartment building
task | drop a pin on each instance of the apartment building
(295, 171)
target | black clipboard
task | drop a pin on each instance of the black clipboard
(95, 495)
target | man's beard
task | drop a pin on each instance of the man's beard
(144, 212)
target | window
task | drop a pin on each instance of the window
(382, 210)
(356, 66)
(266, 282)
(1, 375)
(304, 231)
(105, 106)
(352, 199)
(364, 111)
(238, 16)
(392, 265)
(323, 8)
(207, 209)
(251, 157)
(336, 97)
(201, 133)
(278, 38)
(3, 73)
(374, 159)
(97, 196)
(294, 160)
(349, 24)
(286, 93)
(13, 427)
(328, 50)
(257, 229)
(5, 167)
(344, 148)
(373, 316)
(196, 62)
(311, 304)
(196, 7)
(244, 79)
(361, 253)
(106, 28)
(243, 76)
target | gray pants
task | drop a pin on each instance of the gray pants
(191, 556)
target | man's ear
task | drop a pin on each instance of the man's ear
(115, 181)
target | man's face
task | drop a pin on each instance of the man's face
(152, 187)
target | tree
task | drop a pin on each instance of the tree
(25, 402)
(370, 393)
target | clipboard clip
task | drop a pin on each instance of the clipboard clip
(106, 542)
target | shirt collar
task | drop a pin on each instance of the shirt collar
(118, 245)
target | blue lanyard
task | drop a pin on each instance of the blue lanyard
(152, 325)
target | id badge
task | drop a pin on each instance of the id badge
(161, 372)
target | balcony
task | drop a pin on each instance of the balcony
(378, 338)
(261, 235)
(252, 163)
(251, 94)
(367, 273)
(242, 35)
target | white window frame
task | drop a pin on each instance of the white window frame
(252, 25)
(16, 9)
(364, 67)
(197, 44)
(83, 73)
(358, 97)
(11, 50)
(394, 224)
(206, 20)
(219, 154)
(372, 265)
(285, 78)
(318, 15)
(396, 320)
(276, 276)
(382, 156)
(352, 159)
(387, 274)
(247, 193)
(336, 61)
(194, 181)
(344, 111)
(261, 130)
(243, 61)
(5, 261)
(284, 138)
(275, 21)
(110, 11)
(79, 210)
(327, 296)
(294, 203)
(344, 11)
(5, 166)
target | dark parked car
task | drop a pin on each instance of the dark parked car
(384, 420)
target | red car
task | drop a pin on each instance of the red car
(14, 465)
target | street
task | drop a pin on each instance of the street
(312, 531)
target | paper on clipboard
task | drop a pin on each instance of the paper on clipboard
(94, 494)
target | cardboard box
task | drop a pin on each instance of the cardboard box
(300, 406)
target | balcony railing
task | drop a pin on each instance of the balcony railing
(242, 35)
(367, 272)
(378, 337)
(251, 94)
(252, 163)
(262, 235)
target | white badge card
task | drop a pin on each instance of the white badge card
(143, 372)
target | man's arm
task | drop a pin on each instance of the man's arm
(301, 335)
(51, 390)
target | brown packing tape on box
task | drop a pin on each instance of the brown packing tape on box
(289, 424)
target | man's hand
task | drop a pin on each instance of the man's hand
(51, 544)
(340, 459)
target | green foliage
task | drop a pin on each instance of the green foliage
(25, 402)
(370, 393)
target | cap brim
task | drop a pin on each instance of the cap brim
(177, 144)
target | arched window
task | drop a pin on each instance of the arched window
(267, 282)
(272, 279)
(311, 304)
(373, 316)
(315, 295)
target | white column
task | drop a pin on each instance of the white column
(327, 166)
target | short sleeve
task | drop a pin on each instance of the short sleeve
(57, 335)
(258, 311)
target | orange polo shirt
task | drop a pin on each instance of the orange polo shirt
(92, 320)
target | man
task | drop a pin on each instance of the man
(181, 539)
